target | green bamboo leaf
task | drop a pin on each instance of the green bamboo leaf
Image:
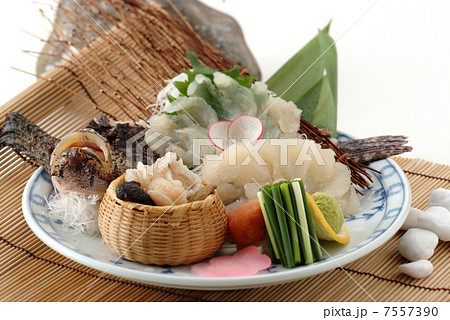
(317, 103)
(309, 79)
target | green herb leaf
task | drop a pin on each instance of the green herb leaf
(170, 98)
(193, 59)
(209, 92)
(309, 79)
(172, 115)
(235, 73)
(182, 86)
(246, 81)
(207, 89)
(199, 68)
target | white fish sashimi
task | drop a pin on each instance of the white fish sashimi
(207, 101)
(239, 98)
(165, 192)
(261, 94)
(171, 90)
(168, 181)
(283, 112)
(243, 169)
(193, 110)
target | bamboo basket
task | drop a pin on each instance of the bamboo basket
(162, 235)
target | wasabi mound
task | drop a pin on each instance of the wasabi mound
(330, 209)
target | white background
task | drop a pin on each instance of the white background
(393, 58)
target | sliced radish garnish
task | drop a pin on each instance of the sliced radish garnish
(218, 133)
(245, 127)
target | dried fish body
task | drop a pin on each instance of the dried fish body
(217, 28)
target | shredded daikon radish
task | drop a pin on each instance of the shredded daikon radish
(78, 212)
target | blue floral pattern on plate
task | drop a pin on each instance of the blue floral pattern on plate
(383, 210)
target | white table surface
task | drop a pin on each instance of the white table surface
(393, 58)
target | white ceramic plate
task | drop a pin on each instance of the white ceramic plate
(383, 210)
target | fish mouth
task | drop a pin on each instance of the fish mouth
(82, 162)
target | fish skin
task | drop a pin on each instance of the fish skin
(117, 134)
(374, 148)
(28, 140)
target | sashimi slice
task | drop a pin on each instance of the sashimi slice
(245, 262)
(245, 127)
(218, 133)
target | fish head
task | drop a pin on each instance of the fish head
(82, 162)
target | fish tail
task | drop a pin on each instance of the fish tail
(28, 140)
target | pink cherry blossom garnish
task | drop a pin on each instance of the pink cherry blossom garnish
(245, 262)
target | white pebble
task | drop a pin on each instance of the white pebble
(436, 219)
(417, 244)
(411, 220)
(440, 197)
(417, 269)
